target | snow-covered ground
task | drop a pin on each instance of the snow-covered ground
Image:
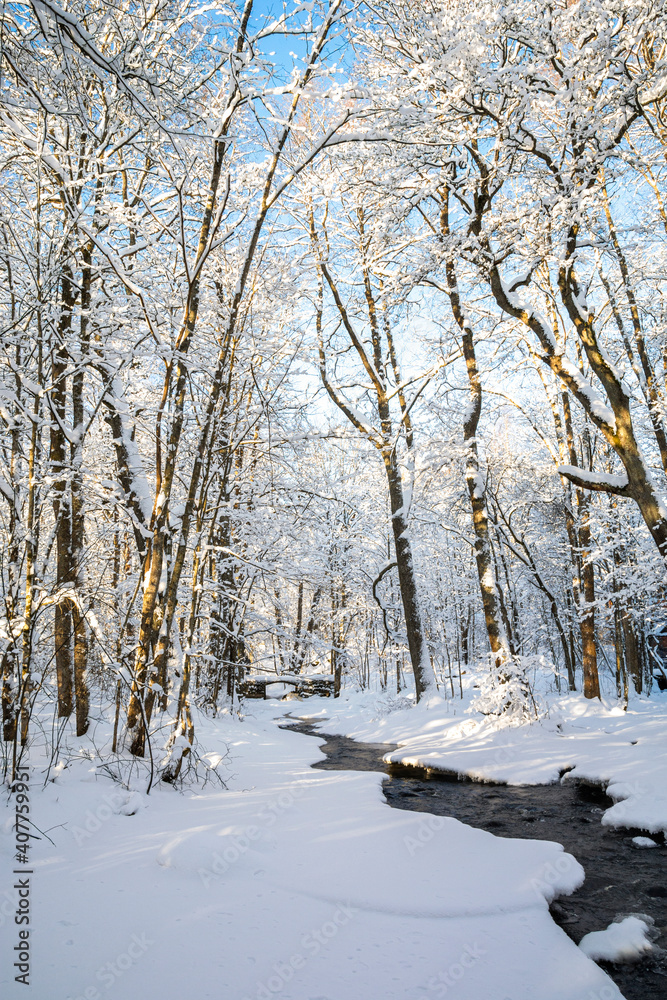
(305, 885)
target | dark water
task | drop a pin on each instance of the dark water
(620, 879)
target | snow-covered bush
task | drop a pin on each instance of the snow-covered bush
(506, 688)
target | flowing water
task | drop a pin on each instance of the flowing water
(620, 878)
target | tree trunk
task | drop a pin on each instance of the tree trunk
(11, 657)
(645, 374)
(385, 442)
(61, 497)
(615, 423)
(78, 527)
(498, 639)
(588, 645)
(419, 653)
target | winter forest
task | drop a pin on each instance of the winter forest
(333, 353)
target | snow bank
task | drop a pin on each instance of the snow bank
(578, 740)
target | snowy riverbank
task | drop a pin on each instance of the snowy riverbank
(291, 883)
(625, 751)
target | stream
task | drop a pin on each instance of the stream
(620, 878)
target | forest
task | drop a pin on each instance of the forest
(333, 341)
(333, 384)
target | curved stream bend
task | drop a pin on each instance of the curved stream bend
(620, 879)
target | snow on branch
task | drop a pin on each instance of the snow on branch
(81, 39)
(595, 404)
(369, 135)
(602, 482)
(6, 491)
(658, 90)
